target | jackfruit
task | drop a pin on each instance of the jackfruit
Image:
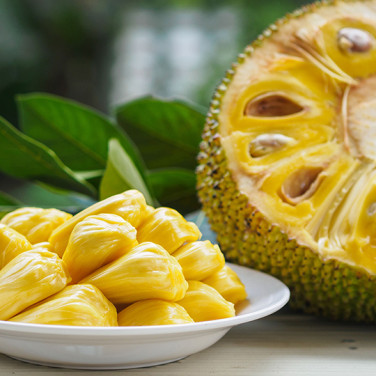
(168, 228)
(29, 278)
(45, 245)
(228, 284)
(12, 243)
(78, 305)
(286, 169)
(130, 205)
(146, 272)
(96, 241)
(199, 259)
(204, 303)
(35, 223)
(153, 312)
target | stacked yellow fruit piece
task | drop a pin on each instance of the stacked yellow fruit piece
(148, 263)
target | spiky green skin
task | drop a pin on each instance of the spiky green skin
(327, 288)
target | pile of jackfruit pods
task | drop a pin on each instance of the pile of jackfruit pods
(118, 262)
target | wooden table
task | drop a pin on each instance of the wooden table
(282, 344)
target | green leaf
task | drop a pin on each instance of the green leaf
(78, 134)
(23, 157)
(7, 204)
(175, 188)
(43, 196)
(121, 174)
(7, 200)
(167, 132)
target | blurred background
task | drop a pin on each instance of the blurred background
(102, 53)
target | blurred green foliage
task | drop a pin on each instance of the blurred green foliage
(67, 47)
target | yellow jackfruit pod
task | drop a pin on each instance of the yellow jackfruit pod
(96, 241)
(78, 305)
(45, 245)
(153, 312)
(228, 284)
(146, 272)
(148, 211)
(199, 259)
(204, 303)
(35, 223)
(29, 278)
(168, 228)
(130, 205)
(12, 243)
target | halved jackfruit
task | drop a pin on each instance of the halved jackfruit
(130, 205)
(287, 167)
(146, 272)
(204, 303)
(12, 243)
(168, 228)
(199, 259)
(96, 241)
(35, 223)
(78, 305)
(29, 278)
(153, 312)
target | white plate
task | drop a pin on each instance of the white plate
(131, 347)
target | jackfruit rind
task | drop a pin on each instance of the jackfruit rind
(168, 228)
(77, 305)
(12, 243)
(199, 259)
(204, 303)
(146, 272)
(322, 284)
(29, 278)
(36, 224)
(130, 205)
(96, 241)
(153, 312)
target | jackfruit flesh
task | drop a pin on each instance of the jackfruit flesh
(153, 312)
(199, 259)
(35, 223)
(29, 278)
(228, 284)
(77, 305)
(287, 168)
(96, 241)
(204, 303)
(168, 228)
(130, 205)
(12, 243)
(146, 272)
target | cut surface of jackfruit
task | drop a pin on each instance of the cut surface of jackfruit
(153, 312)
(287, 167)
(35, 224)
(12, 243)
(204, 303)
(146, 272)
(168, 228)
(29, 278)
(77, 305)
(130, 205)
(96, 241)
(199, 259)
